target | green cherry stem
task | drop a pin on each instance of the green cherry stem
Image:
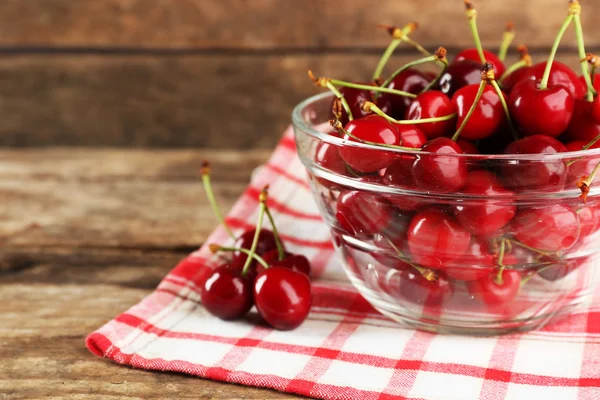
(324, 83)
(439, 56)
(525, 61)
(472, 16)
(368, 106)
(521, 244)
(471, 110)
(561, 32)
(594, 62)
(337, 82)
(262, 198)
(575, 10)
(205, 171)
(499, 279)
(399, 35)
(426, 273)
(278, 244)
(505, 107)
(338, 126)
(215, 248)
(507, 38)
(444, 62)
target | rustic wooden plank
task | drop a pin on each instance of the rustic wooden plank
(115, 198)
(202, 100)
(269, 24)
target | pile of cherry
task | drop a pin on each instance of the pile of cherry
(474, 105)
(258, 272)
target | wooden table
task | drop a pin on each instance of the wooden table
(85, 234)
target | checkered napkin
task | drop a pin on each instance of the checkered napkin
(345, 349)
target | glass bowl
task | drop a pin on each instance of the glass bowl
(511, 249)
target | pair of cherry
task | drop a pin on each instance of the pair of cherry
(259, 272)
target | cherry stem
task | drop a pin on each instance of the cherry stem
(406, 66)
(434, 82)
(426, 273)
(261, 213)
(338, 126)
(585, 182)
(518, 65)
(214, 248)
(278, 244)
(205, 171)
(576, 10)
(385, 58)
(507, 38)
(325, 83)
(368, 106)
(398, 36)
(561, 32)
(352, 85)
(417, 46)
(472, 15)
(471, 110)
(505, 107)
(521, 244)
(499, 280)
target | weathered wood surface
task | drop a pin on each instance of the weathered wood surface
(111, 224)
(274, 24)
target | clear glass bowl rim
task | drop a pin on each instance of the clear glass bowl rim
(299, 122)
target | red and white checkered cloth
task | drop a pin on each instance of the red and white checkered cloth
(345, 349)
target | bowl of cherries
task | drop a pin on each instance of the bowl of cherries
(462, 200)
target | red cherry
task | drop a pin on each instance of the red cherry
(560, 269)
(296, 262)
(460, 74)
(433, 104)
(467, 147)
(399, 175)
(560, 75)
(473, 55)
(494, 292)
(545, 175)
(440, 171)
(595, 107)
(553, 227)
(266, 242)
(436, 238)
(515, 77)
(355, 98)
(584, 126)
(226, 294)
(411, 136)
(363, 213)
(589, 221)
(485, 216)
(487, 116)
(476, 263)
(580, 167)
(387, 255)
(411, 81)
(283, 297)
(541, 111)
(430, 293)
(372, 128)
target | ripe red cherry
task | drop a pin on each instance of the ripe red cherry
(595, 106)
(436, 238)
(589, 222)
(515, 77)
(419, 290)
(432, 104)
(266, 242)
(282, 297)
(399, 175)
(440, 171)
(541, 111)
(584, 125)
(372, 128)
(494, 291)
(460, 74)
(226, 294)
(553, 227)
(411, 136)
(363, 213)
(296, 262)
(485, 216)
(580, 167)
(561, 268)
(476, 263)
(411, 81)
(467, 147)
(546, 175)
(488, 114)
(355, 98)
(560, 75)
(473, 55)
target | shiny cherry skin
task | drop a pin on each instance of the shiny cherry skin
(328, 157)
(595, 106)
(580, 167)
(435, 238)
(476, 263)
(432, 104)
(546, 176)
(296, 262)
(411, 81)
(266, 242)
(485, 216)
(226, 294)
(584, 125)
(355, 98)
(441, 171)
(515, 77)
(460, 74)
(553, 227)
(467, 147)
(362, 212)
(541, 112)
(412, 136)
(473, 55)
(560, 75)
(283, 297)
(429, 293)
(372, 128)
(496, 292)
(488, 114)
(399, 175)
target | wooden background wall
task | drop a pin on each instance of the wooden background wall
(220, 73)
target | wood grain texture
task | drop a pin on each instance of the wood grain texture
(94, 254)
(274, 24)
